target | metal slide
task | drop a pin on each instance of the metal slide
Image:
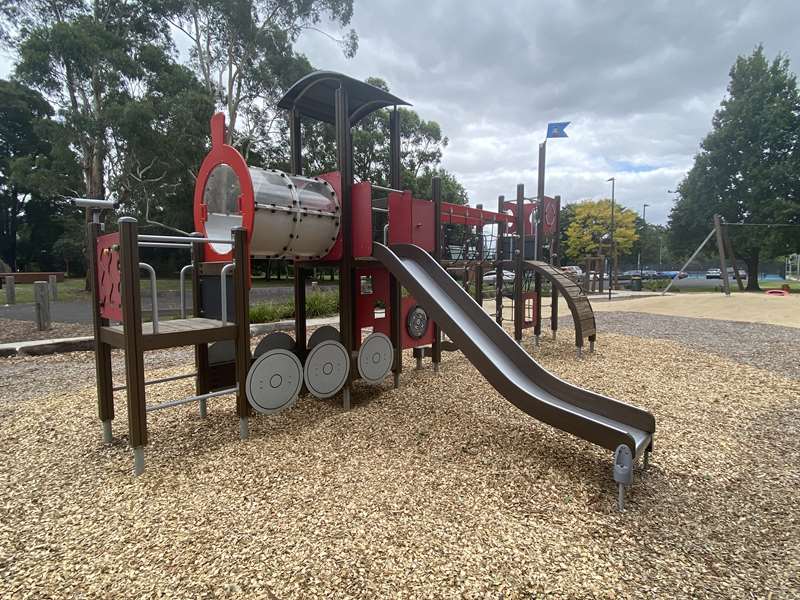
(511, 370)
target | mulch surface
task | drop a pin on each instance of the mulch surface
(24, 331)
(438, 489)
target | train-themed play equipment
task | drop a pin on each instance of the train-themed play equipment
(395, 290)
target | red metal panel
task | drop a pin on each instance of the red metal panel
(422, 224)
(108, 277)
(461, 214)
(400, 218)
(367, 302)
(512, 224)
(407, 306)
(550, 216)
(362, 219)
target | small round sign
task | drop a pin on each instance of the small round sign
(417, 322)
(274, 381)
(375, 357)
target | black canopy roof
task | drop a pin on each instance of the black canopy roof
(313, 96)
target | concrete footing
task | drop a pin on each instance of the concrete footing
(107, 434)
(138, 460)
(346, 398)
(244, 428)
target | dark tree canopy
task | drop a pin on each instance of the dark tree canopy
(747, 168)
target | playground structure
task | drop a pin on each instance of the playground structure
(382, 240)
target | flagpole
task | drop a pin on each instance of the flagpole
(540, 195)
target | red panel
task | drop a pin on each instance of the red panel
(362, 219)
(461, 214)
(221, 153)
(108, 277)
(529, 208)
(407, 305)
(366, 303)
(422, 229)
(400, 218)
(550, 216)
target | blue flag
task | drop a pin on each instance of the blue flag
(556, 130)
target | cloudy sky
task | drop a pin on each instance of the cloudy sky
(639, 80)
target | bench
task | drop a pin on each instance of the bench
(31, 277)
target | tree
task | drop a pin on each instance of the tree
(243, 51)
(747, 167)
(589, 229)
(20, 109)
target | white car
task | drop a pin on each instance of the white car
(491, 277)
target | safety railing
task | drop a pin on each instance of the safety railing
(153, 294)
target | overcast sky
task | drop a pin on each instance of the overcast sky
(638, 80)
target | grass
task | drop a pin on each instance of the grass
(68, 290)
(318, 304)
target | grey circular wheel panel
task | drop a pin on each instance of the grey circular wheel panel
(326, 369)
(417, 322)
(274, 381)
(278, 339)
(375, 357)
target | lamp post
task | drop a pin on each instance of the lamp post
(613, 181)
(641, 241)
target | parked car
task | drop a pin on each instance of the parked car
(573, 270)
(714, 274)
(672, 274)
(491, 277)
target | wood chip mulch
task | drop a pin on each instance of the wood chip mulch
(438, 489)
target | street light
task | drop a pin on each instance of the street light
(613, 181)
(641, 241)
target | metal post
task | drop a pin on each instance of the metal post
(300, 310)
(11, 291)
(540, 198)
(241, 299)
(42, 298)
(395, 165)
(726, 285)
(296, 143)
(201, 383)
(498, 267)
(555, 260)
(102, 351)
(153, 294)
(436, 189)
(132, 329)
(479, 267)
(344, 158)
(613, 181)
(519, 260)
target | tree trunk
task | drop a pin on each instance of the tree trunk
(752, 273)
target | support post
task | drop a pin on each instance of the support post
(300, 310)
(479, 267)
(52, 283)
(519, 261)
(436, 189)
(132, 329)
(102, 351)
(346, 292)
(241, 298)
(729, 250)
(723, 264)
(201, 383)
(11, 290)
(498, 266)
(394, 149)
(555, 260)
(41, 296)
(296, 143)
(395, 302)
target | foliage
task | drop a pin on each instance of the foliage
(747, 167)
(318, 304)
(588, 230)
(243, 52)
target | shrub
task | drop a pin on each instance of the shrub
(318, 304)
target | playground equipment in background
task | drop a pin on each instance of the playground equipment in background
(725, 249)
(381, 240)
(793, 267)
